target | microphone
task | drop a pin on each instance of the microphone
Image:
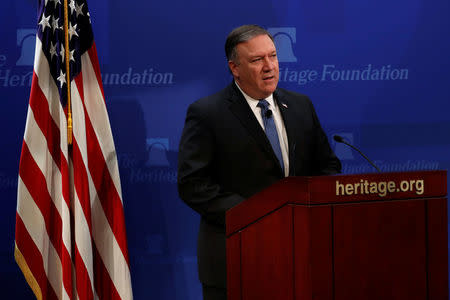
(268, 113)
(340, 139)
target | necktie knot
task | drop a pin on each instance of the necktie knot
(263, 104)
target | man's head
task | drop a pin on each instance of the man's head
(252, 59)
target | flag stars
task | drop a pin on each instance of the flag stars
(45, 22)
(79, 9)
(71, 55)
(52, 50)
(72, 31)
(56, 2)
(72, 6)
(61, 78)
(55, 25)
(61, 53)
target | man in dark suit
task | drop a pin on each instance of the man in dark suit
(241, 140)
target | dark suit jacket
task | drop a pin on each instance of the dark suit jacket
(225, 157)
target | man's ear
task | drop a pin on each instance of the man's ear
(234, 68)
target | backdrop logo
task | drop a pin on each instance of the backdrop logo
(158, 167)
(343, 151)
(26, 41)
(157, 152)
(20, 74)
(284, 38)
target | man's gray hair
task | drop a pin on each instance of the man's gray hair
(240, 35)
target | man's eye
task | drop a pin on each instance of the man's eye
(256, 59)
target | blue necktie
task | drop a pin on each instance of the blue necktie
(271, 130)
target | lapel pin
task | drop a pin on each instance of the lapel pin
(284, 104)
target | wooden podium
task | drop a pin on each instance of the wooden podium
(347, 237)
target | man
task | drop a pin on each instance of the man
(241, 140)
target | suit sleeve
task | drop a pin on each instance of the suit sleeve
(326, 161)
(196, 184)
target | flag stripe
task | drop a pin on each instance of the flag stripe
(84, 284)
(83, 225)
(96, 110)
(81, 184)
(36, 140)
(34, 223)
(92, 52)
(103, 283)
(34, 180)
(105, 239)
(108, 251)
(50, 117)
(33, 259)
(85, 190)
(39, 106)
(98, 167)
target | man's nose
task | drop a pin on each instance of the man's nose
(268, 64)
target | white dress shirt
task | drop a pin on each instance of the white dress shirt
(281, 129)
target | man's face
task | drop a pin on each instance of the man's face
(256, 67)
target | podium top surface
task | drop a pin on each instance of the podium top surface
(337, 189)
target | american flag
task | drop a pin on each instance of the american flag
(70, 238)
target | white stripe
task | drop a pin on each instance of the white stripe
(35, 225)
(96, 110)
(51, 93)
(110, 252)
(104, 238)
(83, 240)
(83, 235)
(37, 145)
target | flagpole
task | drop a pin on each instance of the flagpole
(69, 104)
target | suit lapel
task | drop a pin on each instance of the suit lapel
(240, 108)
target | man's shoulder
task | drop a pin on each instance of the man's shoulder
(215, 100)
(283, 93)
(291, 97)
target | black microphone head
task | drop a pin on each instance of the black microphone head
(338, 138)
(268, 113)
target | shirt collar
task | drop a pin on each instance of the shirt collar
(254, 102)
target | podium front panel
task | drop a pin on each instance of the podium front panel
(380, 250)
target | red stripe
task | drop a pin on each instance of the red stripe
(39, 106)
(33, 258)
(106, 191)
(35, 182)
(44, 120)
(82, 187)
(84, 287)
(95, 65)
(104, 286)
(81, 183)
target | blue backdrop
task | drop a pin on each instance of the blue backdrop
(377, 71)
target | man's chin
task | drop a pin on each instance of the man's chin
(270, 88)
